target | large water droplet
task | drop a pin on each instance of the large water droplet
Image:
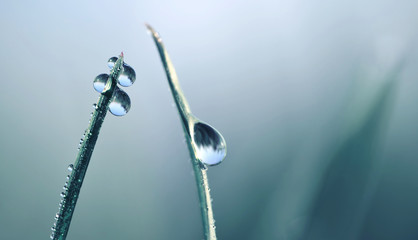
(209, 145)
(111, 62)
(127, 77)
(120, 103)
(100, 81)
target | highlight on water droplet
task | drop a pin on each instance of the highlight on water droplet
(127, 77)
(111, 62)
(120, 103)
(100, 81)
(70, 167)
(209, 144)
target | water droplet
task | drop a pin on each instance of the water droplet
(70, 167)
(63, 194)
(57, 216)
(111, 62)
(127, 77)
(65, 188)
(120, 103)
(52, 236)
(53, 229)
(100, 81)
(209, 145)
(68, 177)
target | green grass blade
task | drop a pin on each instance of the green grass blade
(337, 208)
(78, 170)
(187, 120)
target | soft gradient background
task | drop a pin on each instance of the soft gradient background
(316, 99)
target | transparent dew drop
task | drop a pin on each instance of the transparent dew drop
(63, 194)
(127, 77)
(111, 62)
(57, 216)
(100, 81)
(120, 103)
(209, 144)
(52, 236)
(70, 167)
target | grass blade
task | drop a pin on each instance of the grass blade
(78, 170)
(189, 123)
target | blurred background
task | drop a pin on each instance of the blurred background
(316, 100)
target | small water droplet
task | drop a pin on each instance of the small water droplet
(111, 62)
(209, 145)
(65, 188)
(120, 103)
(57, 216)
(63, 194)
(52, 236)
(127, 77)
(70, 168)
(100, 81)
(94, 105)
(53, 229)
(68, 177)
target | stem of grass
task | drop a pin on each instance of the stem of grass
(188, 121)
(79, 169)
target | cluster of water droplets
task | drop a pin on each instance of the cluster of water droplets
(63, 202)
(120, 102)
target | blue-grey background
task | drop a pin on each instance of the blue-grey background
(316, 100)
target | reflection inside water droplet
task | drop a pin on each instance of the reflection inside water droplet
(100, 81)
(120, 103)
(111, 62)
(127, 77)
(209, 145)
